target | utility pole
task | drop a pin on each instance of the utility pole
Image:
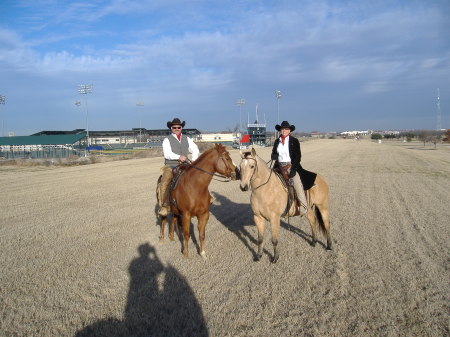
(240, 102)
(438, 108)
(3, 102)
(141, 104)
(85, 89)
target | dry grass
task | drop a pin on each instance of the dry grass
(81, 257)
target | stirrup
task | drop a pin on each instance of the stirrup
(163, 211)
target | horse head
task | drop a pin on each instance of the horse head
(247, 168)
(224, 164)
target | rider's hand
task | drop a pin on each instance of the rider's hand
(182, 159)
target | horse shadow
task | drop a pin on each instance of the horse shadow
(152, 310)
(296, 230)
(241, 212)
(244, 213)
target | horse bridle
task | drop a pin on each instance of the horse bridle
(214, 174)
(256, 167)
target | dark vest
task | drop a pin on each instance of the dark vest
(180, 148)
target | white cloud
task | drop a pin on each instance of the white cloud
(289, 45)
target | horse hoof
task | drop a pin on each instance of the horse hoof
(329, 247)
(171, 238)
(161, 239)
(256, 258)
(203, 255)
(275, 259)
(313, 243)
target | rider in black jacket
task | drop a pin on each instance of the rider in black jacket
(286, 153)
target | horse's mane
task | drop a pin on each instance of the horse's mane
(218, 147)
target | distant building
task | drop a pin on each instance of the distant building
(352, 134)
(226, 138)
(122, 137)
(257, 133)
(390, 132)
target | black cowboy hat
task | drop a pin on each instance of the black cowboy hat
(176, 121)
(285, 124)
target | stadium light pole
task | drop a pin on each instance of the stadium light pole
(85, 89)
(240, 102)
(140, 104)
(2, 101)
(278, 96)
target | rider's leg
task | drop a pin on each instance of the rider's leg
(164, 198)
(298, 186)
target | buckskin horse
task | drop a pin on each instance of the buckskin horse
(269, 200)
(190, 197)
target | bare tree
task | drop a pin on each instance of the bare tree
(424, 136)
(447, 136)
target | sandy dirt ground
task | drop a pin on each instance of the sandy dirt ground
(80, 254)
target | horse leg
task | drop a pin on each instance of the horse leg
(313, 223)
(260, 223)
(163, 225)
(328, 234)
(172, 227)
(202, 221)
(275, 222)
(186, 220)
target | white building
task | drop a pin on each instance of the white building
(356, 133)
(227, 138)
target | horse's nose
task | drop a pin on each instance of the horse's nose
(244, 188)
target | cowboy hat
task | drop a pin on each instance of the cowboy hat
(285, 124)
(176, 121)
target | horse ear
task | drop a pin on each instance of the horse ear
(253, 152)
(242, 154)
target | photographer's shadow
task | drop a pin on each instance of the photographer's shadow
(151, 310)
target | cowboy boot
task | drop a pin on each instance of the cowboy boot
(164, 198)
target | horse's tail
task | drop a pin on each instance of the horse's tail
(320, 220)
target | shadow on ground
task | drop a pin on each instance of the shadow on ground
(241, 217)
(150, 310)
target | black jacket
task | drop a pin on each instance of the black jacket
(294, 152)
(307, 177)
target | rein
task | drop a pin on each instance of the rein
(256, 165)
(213, 174)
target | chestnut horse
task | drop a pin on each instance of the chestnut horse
(269, 199)
(190, 197)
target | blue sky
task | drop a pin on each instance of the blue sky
(340, 65)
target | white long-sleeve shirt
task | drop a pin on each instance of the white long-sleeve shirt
(283, 151)
(169, 155)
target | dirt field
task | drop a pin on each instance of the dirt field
(80, 254)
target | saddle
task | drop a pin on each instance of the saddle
(177, 172)
(292, 196)
(307, 178)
